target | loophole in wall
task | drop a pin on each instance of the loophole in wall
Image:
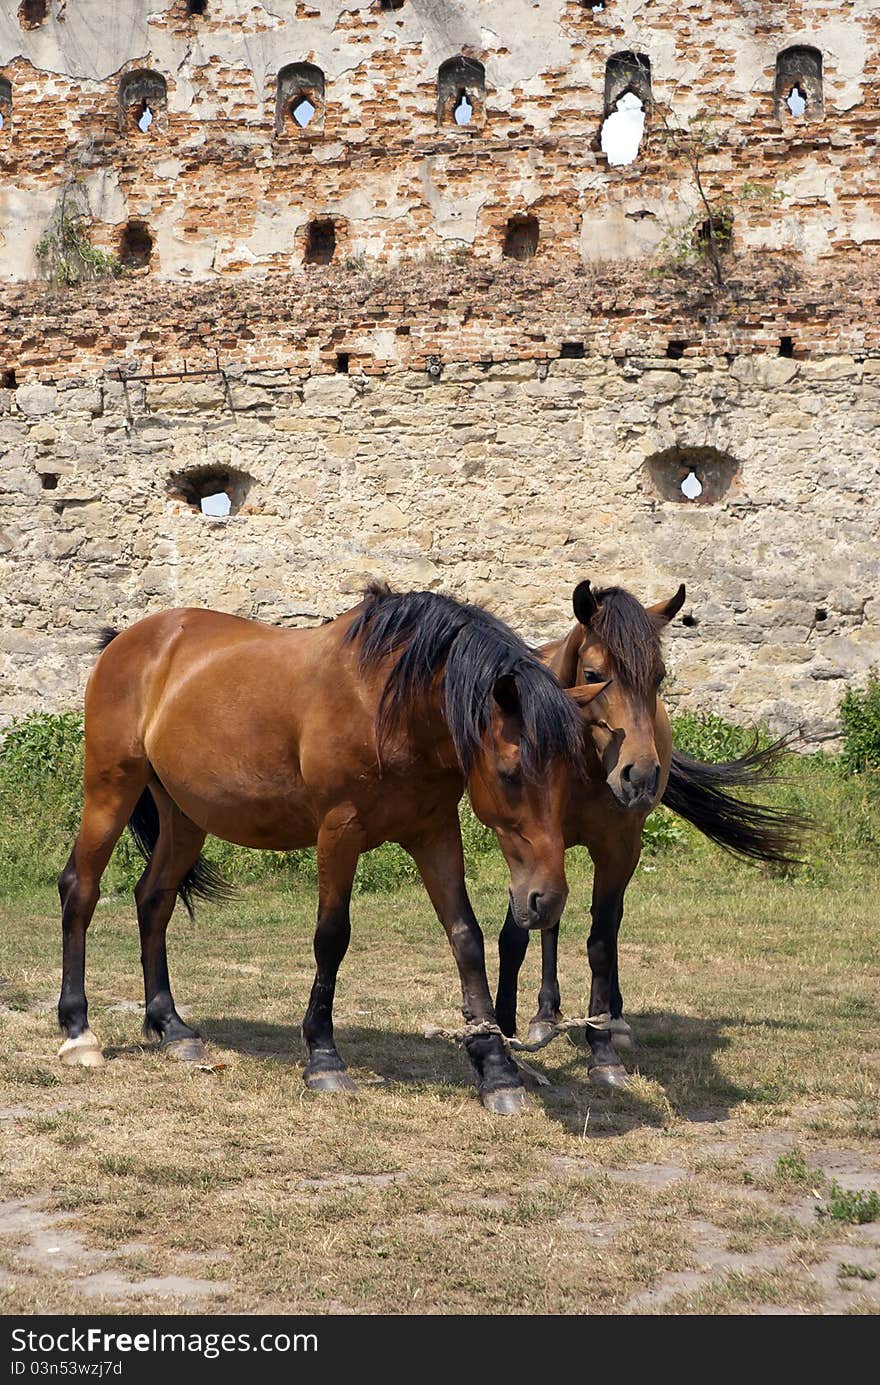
(692, 475)
(521, 238)
(214, 491)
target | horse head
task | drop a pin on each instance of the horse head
(520, 789)
(615, 647)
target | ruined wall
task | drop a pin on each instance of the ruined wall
(423, 407)
(225, 188)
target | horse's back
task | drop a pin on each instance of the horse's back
(248, 727)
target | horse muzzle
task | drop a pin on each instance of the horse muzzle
(539, 909)
(635, 787)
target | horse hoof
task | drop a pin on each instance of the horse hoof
(331, 1081)
(185, 1050)
(82, 1052)
(506, 1101)
(621, 1035)
(610, 1075)
(540, 1031)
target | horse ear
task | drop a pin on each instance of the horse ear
(584, 693)
(584, 602)
(664, 611)
(506, 694)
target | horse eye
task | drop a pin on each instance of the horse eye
(589, 676)
(510, 776)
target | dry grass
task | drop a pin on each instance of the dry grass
(146, 1185)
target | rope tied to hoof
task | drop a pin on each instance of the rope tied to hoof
(473, 1031)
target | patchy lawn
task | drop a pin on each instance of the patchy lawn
(149, 1186)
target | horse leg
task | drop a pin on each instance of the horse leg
(548, 1012)
(513, 942)
(621, 1034)
(441, 866)
(338, 852)
(108, 801)
(176, 851)
(614, 866)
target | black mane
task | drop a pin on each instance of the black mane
(631, 638)
(467, 649)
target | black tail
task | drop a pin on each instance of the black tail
(202, 881)
(699, 793)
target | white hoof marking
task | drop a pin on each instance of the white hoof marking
(82, 1052)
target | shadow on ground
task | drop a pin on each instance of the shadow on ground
(678, 1053)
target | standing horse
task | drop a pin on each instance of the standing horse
(362, 731)
(631, 766)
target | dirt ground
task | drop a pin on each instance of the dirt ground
(722, 1182)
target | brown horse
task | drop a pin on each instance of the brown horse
(362, 731)
(631, 766)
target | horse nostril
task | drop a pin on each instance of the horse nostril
(626, 773)
(535, 904)
(656, 782)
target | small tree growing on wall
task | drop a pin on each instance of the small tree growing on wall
(65, 252)
(708, 232)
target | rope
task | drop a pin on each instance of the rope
(473, 1031)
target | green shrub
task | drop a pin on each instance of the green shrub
(850, 1205)
(708, 737)
(860, 714)
(662, 831)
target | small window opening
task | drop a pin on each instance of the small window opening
(33, 13)
(461, 92)
(391, 4)
(572, 351)
(820, 614)
(786, 346)
(48, 481)
(143, 97)
(302, 111)
(623, 130)
(136, 247)
(675, 350)
(521, 238)
(798, 89)
(690, 621)
(691, 486)
(597, 6)
(463, 111)
(211, 491)
(320, 242)
(299, 98)
(342, 362)
(196, 6)
(8, 380)
(796, 100)
(692, 474)
(5, 100)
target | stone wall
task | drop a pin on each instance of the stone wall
(504, 482)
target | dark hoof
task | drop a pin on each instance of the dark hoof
(185, 1050)
(609, 1075)
(621, 1035)
(332, 1081)
(540, 1030)
(506, 1101)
